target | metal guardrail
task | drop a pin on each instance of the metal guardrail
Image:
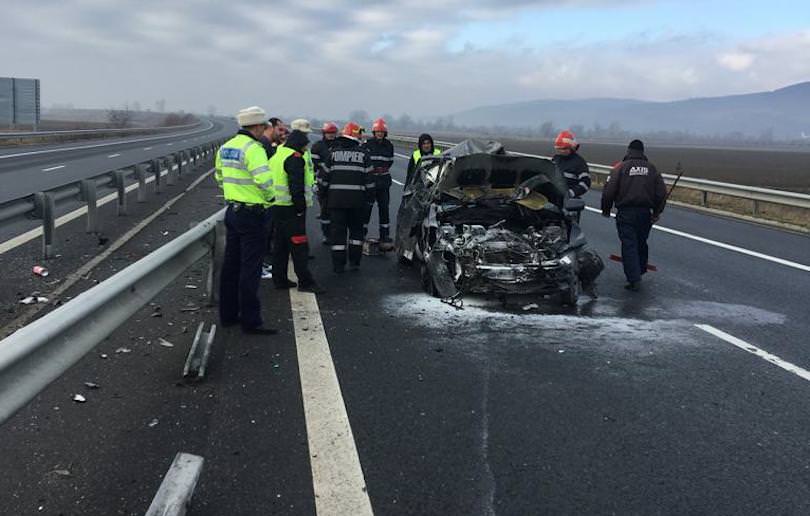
(37, 354)
(42, 205)
(84, 132)
(704, 186)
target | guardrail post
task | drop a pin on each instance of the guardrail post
(45, 209)
(755, 207)
(89, 192)
(119, 180)
(217, 256)
(140, 173)
(178, 158)
(155, 166)
(704, 198)
(171, 179)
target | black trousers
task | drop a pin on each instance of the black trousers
(382, 196)
(633, 226)
(325, 220)
(245, 244)
(345, 220)
(290, 238)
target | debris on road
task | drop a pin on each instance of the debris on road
(165, 343)
(78, 398)
(123, 350)
(532, 306)
(190, 308)
(157, 312)
(192, 287)
(31, 300)
(104, 356)
(153, 423)
(61, 472)
(39, 270)
(91, 385)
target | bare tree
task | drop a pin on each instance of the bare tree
(120, 118)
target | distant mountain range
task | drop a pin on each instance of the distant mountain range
(782, 114)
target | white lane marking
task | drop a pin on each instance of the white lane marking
(169, 144)
(113, 155)
(723, 245)
(401, 155)
(57, 167)
(147, 148)
(337, 476)
(750, 348)
(26, 237)
(97, 145)
(397, 182)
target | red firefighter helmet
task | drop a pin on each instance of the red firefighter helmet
(329, 127)
(379, 125)
(352, 130)
(566, 140)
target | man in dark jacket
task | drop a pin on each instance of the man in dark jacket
(320, 152)
(381, 153)
(638, 191)
(570, 164)
(288, 170)
(348, 191)
(424, 147)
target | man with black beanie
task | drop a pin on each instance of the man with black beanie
(293, 188)
(638, 191)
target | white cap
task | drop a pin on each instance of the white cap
(254, 115)
(302, 125)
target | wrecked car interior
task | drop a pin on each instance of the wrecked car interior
(477, 220)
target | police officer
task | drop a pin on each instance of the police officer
(348, 190)
(293, 181)
(381, 153)
(243, 173)
(570, 164)
(638, 191)
(320, 152)
(424, 147)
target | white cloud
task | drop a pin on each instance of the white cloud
(736, 61)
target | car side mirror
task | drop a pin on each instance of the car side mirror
(573, 204)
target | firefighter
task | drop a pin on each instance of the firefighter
(348, 189)
(638, 191)
(424, 147)
(381, 153)
(293, 182)
(570, 164)
(320, 151)
(242, 171)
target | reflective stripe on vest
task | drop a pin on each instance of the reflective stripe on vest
(417, 154)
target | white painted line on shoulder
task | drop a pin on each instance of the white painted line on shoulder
(169, 144)
(398, 182)
(57, 167)
(147, 148)
(723, 245)
(401, 155)
(113, 155)
(337, 476)
(750, 348)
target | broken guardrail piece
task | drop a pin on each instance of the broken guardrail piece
(200, 351)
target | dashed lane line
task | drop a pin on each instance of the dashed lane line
(337, 476)
(750, 348)
(113, 156)
(723, 245)
(49, 169)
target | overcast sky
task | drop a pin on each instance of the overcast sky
(325, 58)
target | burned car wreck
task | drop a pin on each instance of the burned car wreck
(478, 220)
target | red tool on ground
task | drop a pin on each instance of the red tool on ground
(617, 258)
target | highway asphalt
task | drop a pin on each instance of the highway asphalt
(620, 405)
(28, 169)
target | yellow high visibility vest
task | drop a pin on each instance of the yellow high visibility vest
(417, 154)
(281, 183)
(242, 171)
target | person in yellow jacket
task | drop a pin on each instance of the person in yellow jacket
(293, 180)
(243, 172)
(424, 147)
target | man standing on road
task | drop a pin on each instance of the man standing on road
(424, 147)
(348, 190)
(293, 179)
(273, 136)
(320, 152)
(381, 153)
(570, 164)
(243, 173)
(638, 191)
